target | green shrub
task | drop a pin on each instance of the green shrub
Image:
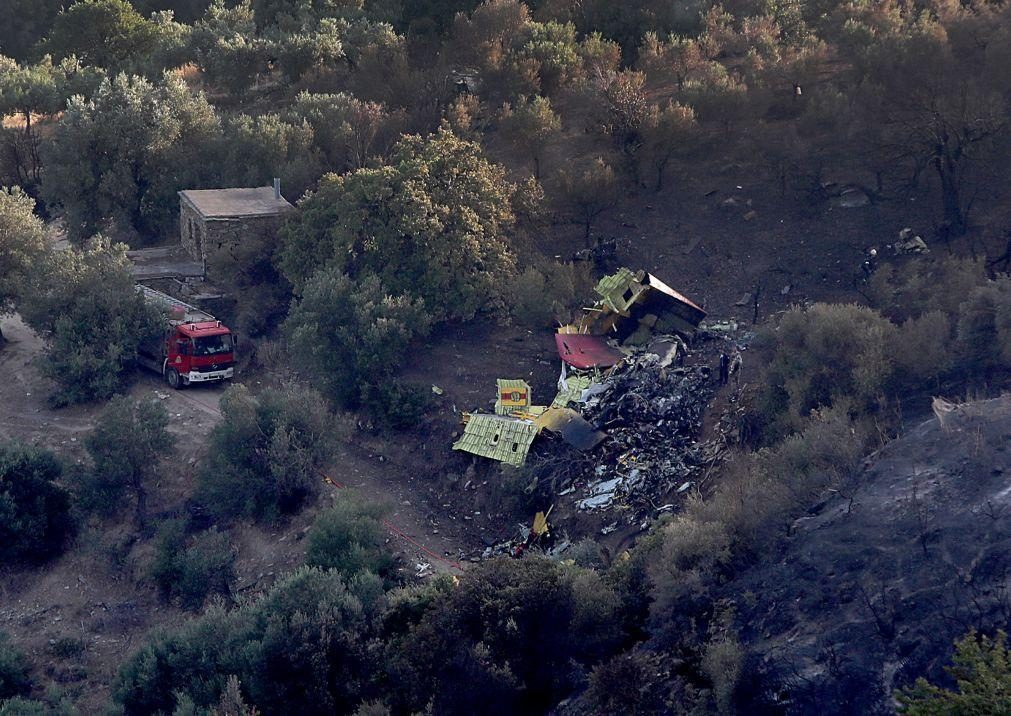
(984, 328)
(302, 647)
(722, 662)
(125, 446)
(83, 303)
(118, 157)
(982, 671)
(914, 288)
(396, 404)
(922, 348)
(693, 557)
(67, 647)
(22, 243)
(188, 571)
(349, 336)
(546, 294)
(758, 497)
(586, 554)
(350, 538)
(473, 651)
(826, 353)
(433, 225)
(632, 684)
(14, 680)
(266, 453)
(34, 511)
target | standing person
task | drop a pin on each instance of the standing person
(870, 263)
(736, 364)
(724, 368)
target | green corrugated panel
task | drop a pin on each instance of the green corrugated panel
(576, 385)
(498, 438)
(612, 288)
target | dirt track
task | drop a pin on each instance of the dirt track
(96, 592)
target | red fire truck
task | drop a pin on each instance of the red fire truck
(195, 348)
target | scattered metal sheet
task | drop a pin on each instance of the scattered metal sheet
(668, 350)
(540, 526)
(513, 396)
(592, 391)
(595, 502)
(572, 426)
(570, 388)
(601, 494)
(497, 437)
(586, 351)
(627, 298)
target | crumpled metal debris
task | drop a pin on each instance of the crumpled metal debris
(651, 412)
(573, 428)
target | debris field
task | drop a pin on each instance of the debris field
(623, 431)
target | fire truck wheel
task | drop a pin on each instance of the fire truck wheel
(173, 378)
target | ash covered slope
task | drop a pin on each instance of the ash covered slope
(876, 583)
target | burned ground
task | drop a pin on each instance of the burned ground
(876, 582)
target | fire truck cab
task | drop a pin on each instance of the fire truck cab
(195, 348)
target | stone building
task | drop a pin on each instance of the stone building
(214, 219)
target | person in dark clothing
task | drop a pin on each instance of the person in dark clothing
(870, 263)
(724, 368)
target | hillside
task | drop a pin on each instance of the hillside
(875, 583)
(544, 357)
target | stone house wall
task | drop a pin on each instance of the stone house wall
(220, 234)
(203, 237)
(192, 231)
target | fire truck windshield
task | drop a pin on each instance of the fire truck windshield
(212, 345)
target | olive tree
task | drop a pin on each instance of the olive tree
(22, 244)
(83, 304)
(131, 436)
(117, 160)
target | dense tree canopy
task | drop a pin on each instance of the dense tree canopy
(119, 158)
(266, 453)
(125, 446)
(26, 23)
(410, 131)
(433, 224)
(302, 647)
(32, 92)
(106, 33)
(347, 335)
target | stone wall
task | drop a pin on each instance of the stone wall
(192, 231)
(222, 234)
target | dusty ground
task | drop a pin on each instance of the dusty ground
(96, 595)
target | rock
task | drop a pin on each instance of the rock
(751, 215)
(852, 198)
